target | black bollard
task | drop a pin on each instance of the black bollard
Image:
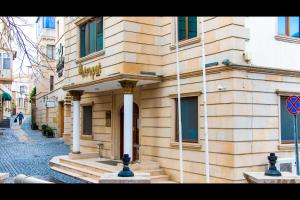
(272, 171)
(126, 172)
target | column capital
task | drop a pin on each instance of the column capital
(76, 94)
(128, 86)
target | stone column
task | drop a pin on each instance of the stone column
(76, 95)
(128, 115)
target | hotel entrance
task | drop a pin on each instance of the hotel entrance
(135, 132)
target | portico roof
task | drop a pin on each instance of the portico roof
(112, 82)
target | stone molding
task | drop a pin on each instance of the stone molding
(285, 38)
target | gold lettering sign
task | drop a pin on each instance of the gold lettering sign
(89, 71)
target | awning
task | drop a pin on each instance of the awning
(6, 96)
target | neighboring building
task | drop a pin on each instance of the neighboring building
(50, 97)
(6, 67)
(21, 88)
(112, 59)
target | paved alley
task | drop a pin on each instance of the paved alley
(26, 151)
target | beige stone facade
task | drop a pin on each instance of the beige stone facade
(243, 100)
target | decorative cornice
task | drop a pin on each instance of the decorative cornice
(81, 20)
(114, 78)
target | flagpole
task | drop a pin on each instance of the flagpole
(179, 103)
(204, 103)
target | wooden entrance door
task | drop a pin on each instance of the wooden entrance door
(61, 118)
(135, 132)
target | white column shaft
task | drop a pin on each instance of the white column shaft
(128, 110)
(76, 126)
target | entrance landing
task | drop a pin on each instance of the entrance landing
(90, 170)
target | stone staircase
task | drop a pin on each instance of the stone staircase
(90, 171)
(5, 123)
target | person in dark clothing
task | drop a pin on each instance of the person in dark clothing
(20, 116)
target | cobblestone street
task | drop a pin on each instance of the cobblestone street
(26, 151)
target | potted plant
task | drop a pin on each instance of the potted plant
(44, 126)
(49, 132)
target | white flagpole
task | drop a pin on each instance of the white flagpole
(204, 103)
(179, 103)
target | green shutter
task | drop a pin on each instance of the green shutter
(92, 37)
(82, 41)
(192, 26)
(181, 28)
(99, 24)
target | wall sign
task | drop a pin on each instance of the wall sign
(50, 104)
(89, 71)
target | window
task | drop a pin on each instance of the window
(51, 83)
(5, 61)
(189, 119)
(91, 37)
(57, 29)
(187, 27)
(289, 26)
(287, 123)
(23, 89)
(49, 22)
(87, 120)
(20, 102)
(50, 51)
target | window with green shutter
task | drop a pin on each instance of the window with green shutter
(187, 27)
(91, 36)
(287, 123)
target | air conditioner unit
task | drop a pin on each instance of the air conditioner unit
(286, 165)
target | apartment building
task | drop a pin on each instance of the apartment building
(121, 75)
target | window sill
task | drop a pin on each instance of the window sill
(86, 137)
(90, 56)
(186, 42)
(286, 147)
(186, 146)
(285, 38)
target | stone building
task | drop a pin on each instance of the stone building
(7, 56)
(121, 71)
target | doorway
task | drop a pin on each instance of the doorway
(61, 118)
(135, 132)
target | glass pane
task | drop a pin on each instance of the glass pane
(99, 33)
(189, 118)
(6, 63)
(192, 26)
(92, 37)
(82, 41)
(294, 27)
(287, 123)
(49, 22)
(281, 25)
(181, 28)
(87, 125)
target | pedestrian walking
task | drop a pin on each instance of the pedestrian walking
(20, 116)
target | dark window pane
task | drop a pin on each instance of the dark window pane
(92, 37)
(287, 123)
(99, 24)
(281, 25)
(192, 26)
(182, 28)
(6, 63)
(189, 118)
(294, 27)
(87, 120)
(82, 41)
(51, 82)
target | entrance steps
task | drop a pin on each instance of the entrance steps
(90, 171)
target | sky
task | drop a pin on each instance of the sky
(30, 31)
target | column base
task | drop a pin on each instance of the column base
(75, 155)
